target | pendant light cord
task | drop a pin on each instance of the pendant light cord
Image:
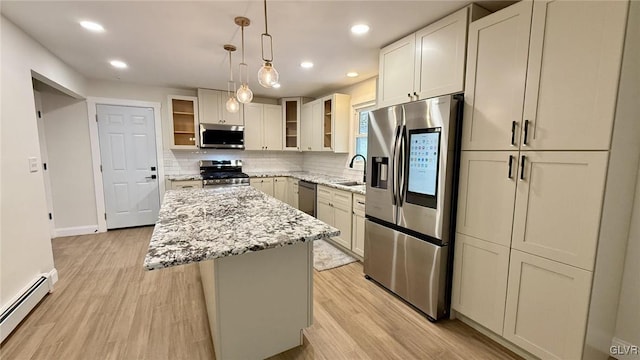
(266, 30)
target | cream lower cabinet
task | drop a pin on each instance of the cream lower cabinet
(480, 281)
(357, 236)
(263, 184)
(547, 305)
(334, 207)
(185, 184)
(280, 188)
(292, 192)
(558, 205)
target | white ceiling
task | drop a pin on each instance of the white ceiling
(179, 43)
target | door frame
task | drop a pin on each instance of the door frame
(44, 159)
(92, 103)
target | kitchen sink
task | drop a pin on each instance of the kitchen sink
(350, 183)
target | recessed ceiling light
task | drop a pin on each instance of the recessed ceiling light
(118, 64)
(306, 64)
(360, 29)
(276, 86)
(92, 26)
(352, 74)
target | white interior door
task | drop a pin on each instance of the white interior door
(129, 165)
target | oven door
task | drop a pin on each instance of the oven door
(215, 136)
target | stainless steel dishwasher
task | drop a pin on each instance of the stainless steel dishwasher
(307, 197)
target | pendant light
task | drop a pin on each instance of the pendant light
(244, 94)
(232, 104)
(267, 75)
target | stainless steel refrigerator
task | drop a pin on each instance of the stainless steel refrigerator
(412, 161)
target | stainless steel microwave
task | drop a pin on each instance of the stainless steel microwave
(216, 136)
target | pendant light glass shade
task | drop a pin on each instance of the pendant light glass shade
(267, 75)
(244, 94)
(232, 105)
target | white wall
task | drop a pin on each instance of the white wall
(617, 221)
(628, 322)
(120, 90)
(70, 165)
(25, 245)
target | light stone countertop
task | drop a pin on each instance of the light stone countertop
(320, 179)
(202, 224)
(184, 177)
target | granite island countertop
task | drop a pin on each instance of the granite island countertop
(203, 224)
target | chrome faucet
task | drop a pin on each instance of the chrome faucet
(364, 175)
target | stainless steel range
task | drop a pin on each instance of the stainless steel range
(217, 173)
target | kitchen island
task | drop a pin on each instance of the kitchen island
(255, 255)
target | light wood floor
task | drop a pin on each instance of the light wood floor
(105, 306)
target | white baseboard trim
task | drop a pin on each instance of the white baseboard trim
(76, 230)
(26, 300)
(623, 350)
(493, 336)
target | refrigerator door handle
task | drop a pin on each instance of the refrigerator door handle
(394, 167)
(402, 164)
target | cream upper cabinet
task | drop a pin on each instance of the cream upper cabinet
(397, 61)
(547, 305)
(253, 114)
(213, 110)
(335, 123)
(572, 77)
(317, 122)
(558, 205)
(480, 281)
(263, 127)
(280, 188)
(272, 127)
(428, 63)
(291, 115)
(440, 56)
(306, 127)
(486, 195)
(495, 79)
(183, 113)
(544, 75)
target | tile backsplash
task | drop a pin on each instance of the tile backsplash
(330, 164)
(185, 162)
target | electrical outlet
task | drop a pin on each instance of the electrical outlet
(33, 164)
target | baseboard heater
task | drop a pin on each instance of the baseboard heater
(20, 308)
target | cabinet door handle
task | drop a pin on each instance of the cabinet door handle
(415, 94)
(522, 167)
(513, 133)
(360, 202)
(409, 95)
(526, 132)
(510, 166)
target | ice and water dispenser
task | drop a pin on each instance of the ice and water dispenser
(379, 169)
